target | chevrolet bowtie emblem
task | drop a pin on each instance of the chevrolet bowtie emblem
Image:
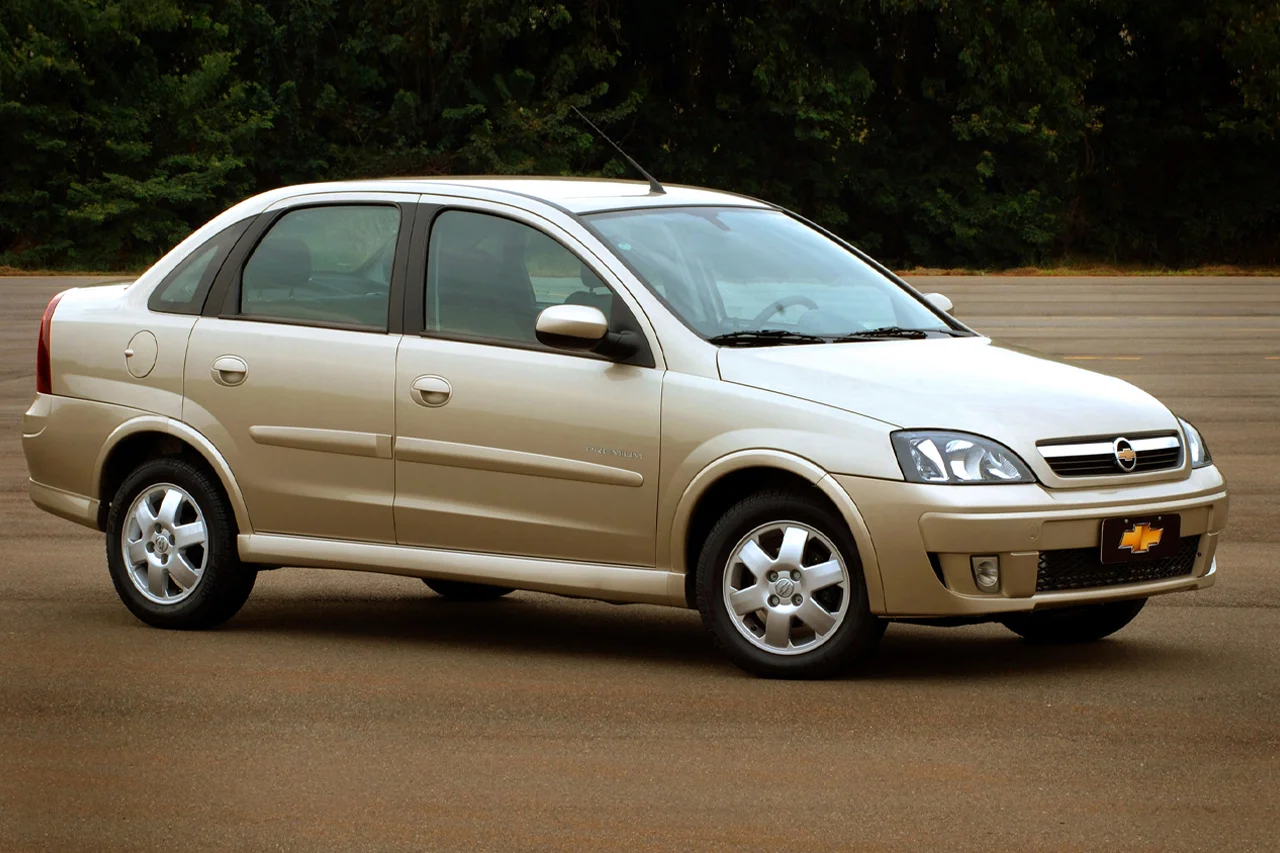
(1141, 539)
(1126, 456)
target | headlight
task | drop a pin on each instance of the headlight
(957, 458)
(1195, 446)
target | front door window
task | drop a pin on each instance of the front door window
(489, 277)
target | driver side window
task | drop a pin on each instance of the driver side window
(489, 277)
(324, 264)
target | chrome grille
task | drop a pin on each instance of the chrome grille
(1096, 457)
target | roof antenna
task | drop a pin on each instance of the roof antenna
(654, 186)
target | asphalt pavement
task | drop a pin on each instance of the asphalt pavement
(344, 711)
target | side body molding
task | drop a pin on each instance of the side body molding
(765, 458)
(367, 444)
(455, 455)
(177, 429)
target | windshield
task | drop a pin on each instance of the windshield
(731, 269)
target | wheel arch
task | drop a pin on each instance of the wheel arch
(731, 477)
(150, 436)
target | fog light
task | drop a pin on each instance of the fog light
(986, 573)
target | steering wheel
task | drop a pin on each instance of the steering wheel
(781, 305)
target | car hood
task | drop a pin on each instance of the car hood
(968, 384)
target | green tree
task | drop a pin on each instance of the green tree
(933, 132)
(1186, 168)
(121, 124)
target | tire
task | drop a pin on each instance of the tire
(1074, 624)
(786, 642)
(165, 595)
(467, 591)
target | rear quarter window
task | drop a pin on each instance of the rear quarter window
(185, 288)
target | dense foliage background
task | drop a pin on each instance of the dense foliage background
(932, 132)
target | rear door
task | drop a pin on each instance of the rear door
(290, 371)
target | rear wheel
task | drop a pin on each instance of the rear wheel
(780, 588)
(171, 547)
(1074, 624)
(465, 590)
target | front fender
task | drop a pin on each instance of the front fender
(678, 531)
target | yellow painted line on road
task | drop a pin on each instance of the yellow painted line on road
(1256, 315)
(1077, 329)
(1208, 317)
(1103, 357)
(1272, 358)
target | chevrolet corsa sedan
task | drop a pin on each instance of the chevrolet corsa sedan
(590, 388)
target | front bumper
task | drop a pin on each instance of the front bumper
(924, 536)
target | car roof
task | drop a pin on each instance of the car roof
(578, 195)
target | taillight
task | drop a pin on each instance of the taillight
(44, 370)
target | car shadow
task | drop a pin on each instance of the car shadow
(992, 652)
(523, 624)
(547, 625)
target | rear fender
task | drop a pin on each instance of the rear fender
(202, 445)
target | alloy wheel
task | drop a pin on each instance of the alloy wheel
(165, 543)
(786, 588)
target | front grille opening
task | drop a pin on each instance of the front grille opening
(1084, 466)
(1157, 460)
(1082, 568)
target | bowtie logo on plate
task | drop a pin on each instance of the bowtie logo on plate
(1141, 538)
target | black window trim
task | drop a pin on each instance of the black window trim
(414, 318)
(224, 298)
(195, 305)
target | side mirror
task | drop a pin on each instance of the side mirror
(937, 300)
(584, 328)
(572, 327)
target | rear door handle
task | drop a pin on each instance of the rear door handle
(431, 391)
(229, 370)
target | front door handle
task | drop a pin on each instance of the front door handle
(229, 370)
(431, 391)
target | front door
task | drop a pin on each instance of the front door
(503, 445)
(292, 374)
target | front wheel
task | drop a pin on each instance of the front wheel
(780, 588)
(1074, 624)
(171, 547)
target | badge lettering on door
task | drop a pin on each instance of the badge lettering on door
(609, 451)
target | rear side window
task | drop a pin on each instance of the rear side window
(324, 265)
(183, 290)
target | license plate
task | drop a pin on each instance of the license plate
(1148, 537)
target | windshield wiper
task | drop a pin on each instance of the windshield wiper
(764, 338)
(897, 332)
(955, 333)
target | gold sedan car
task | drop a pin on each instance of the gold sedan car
(595, 389)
